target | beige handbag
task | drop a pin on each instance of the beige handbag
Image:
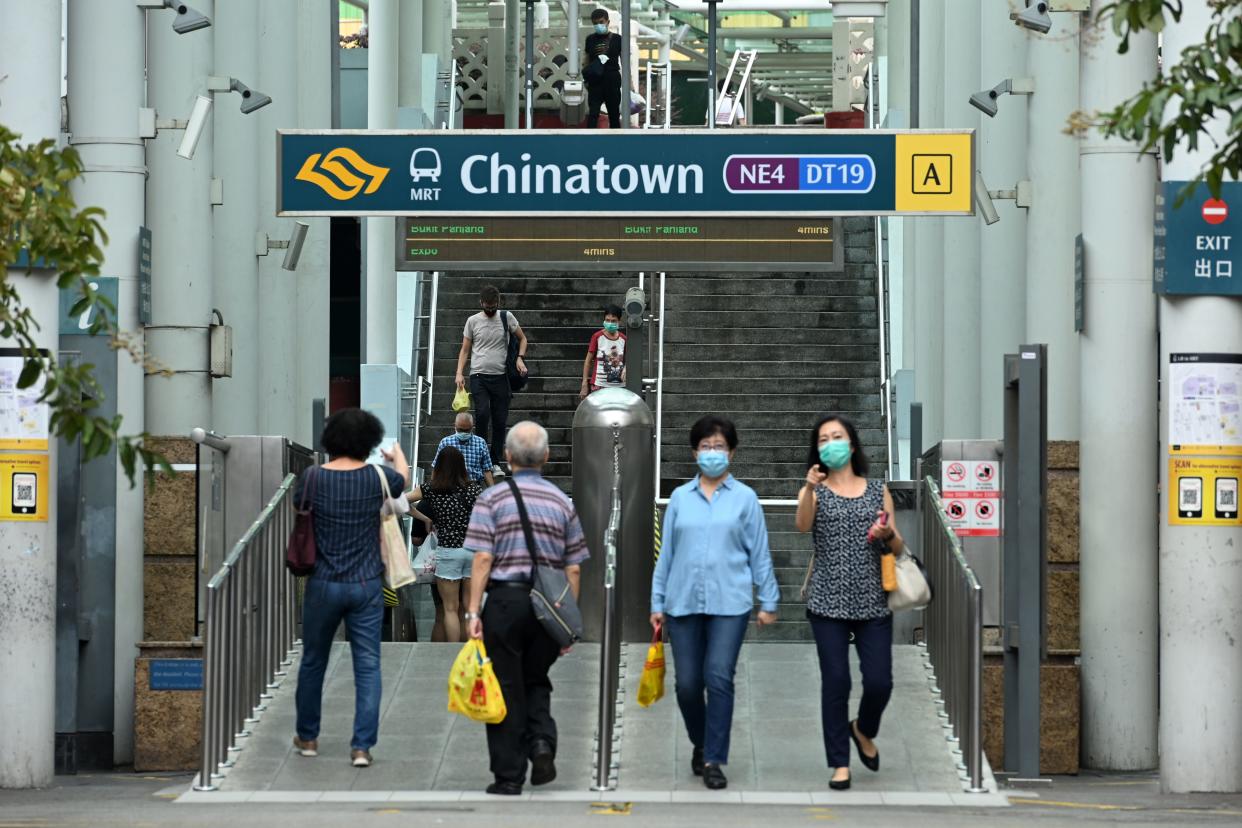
(397, 569)
(914, 589)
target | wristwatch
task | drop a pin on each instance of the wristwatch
(470, 616)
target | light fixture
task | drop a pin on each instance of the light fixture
(252, 99)
(194, 127)
(188, 19)
(1021, 195)
(292, 247)
(1034, 17)
(985, 101)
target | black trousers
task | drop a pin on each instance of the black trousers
(874, 640)
(606, 93)
(521, 653)
(491, 395)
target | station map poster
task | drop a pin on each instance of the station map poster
(1205, 404)
(23, 418)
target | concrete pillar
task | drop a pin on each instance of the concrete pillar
(278, 78)
(31, 65)
(1118, 408)
(925, 288)
(1200, 568)
(1053, 219)
(410, 42)
(513, 41)
(106, 46)
(961, 235)
(1002, 247)
(438, 27)
(235, 401)
(381, 296)
(178, 194)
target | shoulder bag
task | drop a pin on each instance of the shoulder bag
(517, 380)
(914, 587)
(550, 595)
(397, 569)
(300, 552)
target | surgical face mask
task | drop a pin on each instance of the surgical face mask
(611, 327)
(464, 436)
(713, 463)
(835, 453)
(601, 28)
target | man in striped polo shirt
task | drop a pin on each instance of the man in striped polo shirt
(521, 651)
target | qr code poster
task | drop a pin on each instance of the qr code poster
(23, 487)
(1203, 491)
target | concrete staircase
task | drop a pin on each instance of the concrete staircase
(768, 351)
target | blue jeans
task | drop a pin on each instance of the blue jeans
(325, 604)
(874, 640)
(705, 650)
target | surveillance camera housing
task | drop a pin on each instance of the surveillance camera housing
(251, 100)
(983, 200)
(194, 127)
(635, 305)
(985, 102)
(1034, 17)
(187, 19)
(294, 252)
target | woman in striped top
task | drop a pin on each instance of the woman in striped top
(346, 495)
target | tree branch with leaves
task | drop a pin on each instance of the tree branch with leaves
(41, 223)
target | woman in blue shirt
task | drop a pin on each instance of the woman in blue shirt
(715, 554)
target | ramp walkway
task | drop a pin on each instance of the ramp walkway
(428, 754)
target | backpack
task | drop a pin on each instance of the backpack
(517, 380)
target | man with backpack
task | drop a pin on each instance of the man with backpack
(488, 339)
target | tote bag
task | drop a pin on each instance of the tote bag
(397, 569)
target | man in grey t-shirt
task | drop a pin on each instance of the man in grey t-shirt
(485, 342)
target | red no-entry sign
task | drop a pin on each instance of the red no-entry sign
(1215, 211)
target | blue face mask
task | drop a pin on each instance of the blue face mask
(464, 436)
(835, 453)
(601, 28)
(713, 463)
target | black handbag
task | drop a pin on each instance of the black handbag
(517, 380)
(550, 596)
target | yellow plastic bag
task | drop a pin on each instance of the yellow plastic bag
(461, 401)
(651, 683)
(473, 689)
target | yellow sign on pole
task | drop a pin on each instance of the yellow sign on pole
(23, 487)
(1203, 491)
(935, 173)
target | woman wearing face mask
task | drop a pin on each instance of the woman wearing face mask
(846, 594)
(715, 556)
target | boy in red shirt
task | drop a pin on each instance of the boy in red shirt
(604, 366)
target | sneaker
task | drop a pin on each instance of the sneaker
(310, 747)
(360, 758)
(497, 472)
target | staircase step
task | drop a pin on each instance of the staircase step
(780, 402)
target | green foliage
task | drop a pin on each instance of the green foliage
(1198, 86)
(38, 216)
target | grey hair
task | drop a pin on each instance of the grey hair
(465, 414)
(527, 444)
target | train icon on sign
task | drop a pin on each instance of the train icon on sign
(425, 163)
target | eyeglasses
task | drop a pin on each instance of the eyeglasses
(713, 446)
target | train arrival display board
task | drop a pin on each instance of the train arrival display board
(692, 173)
(590, 243)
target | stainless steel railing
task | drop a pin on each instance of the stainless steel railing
(249, 632)
(953, 635)
(610, 647)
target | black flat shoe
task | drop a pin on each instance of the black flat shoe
(696, 762)
(714, 778)
(839, 785)
(505, 789)
(542, 764)
(869, 762)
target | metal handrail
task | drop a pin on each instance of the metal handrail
(249, 634)
(610, 647)
(953, 635)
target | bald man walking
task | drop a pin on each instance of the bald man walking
(472, 447)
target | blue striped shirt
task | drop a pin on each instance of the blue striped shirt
(347, 520)
(496, 527)
(474, 451)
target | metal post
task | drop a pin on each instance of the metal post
(711, 63)
(914, 63)
(530, 64)
(610, 645)
(510, 102)
(916, 437)
(625, 66)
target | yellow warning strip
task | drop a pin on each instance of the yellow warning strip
(1086, 806)
(612, 808)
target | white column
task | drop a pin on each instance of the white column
(381, 297)
(1120, 636)
(31, 63)
(1053, 220)
(106, 44)
(1002, 246)
(926, 305)
(235, 400)
(277, 357)
(1200, 568)
(317, 39)
(178, 194)
(961, 235)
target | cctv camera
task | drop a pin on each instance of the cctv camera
(187, 19)
(251, 100)
(985, 102)
(635, 304)
(1034, 17)
(294, 252)
(983, 200)
(194, 127)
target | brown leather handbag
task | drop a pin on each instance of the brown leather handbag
(300, 553)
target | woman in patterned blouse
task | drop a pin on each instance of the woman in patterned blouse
(846, 594)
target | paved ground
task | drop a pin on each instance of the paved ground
(776, 756)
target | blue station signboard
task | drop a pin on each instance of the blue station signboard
(776, 172)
